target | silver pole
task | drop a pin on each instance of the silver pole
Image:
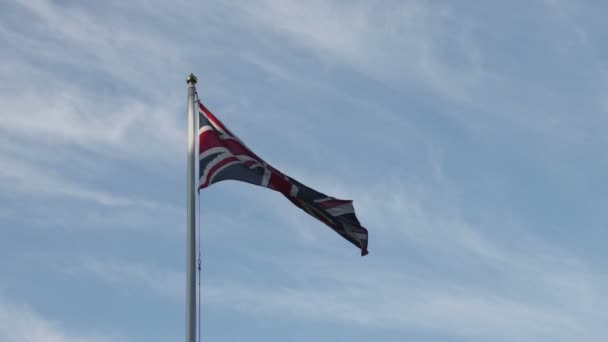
(191, 225)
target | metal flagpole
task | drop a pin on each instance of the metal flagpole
(191, 225)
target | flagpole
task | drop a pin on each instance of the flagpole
(191, 223)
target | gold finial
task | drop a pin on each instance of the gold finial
(191, 79)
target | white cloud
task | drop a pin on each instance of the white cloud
(28, 175)
(472, 80)
(122, 116)
(129, 276)
(94, 122)
(397, 42)
(18, 177)
(404, 308)
(113, 44)
(21, 324)
(392, 300)
(525, 297)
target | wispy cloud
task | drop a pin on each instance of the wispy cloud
(559, 301)
(21, 324)
(132, 120)
(521, 289)
(404, 308)
(27, 175)
(23, 178)
(399, 42)
(130, 276)
(525, 299)
(110, 44)
(94, 122)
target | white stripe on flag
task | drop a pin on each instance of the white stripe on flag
(346, 208)
(204, 129)
(360, 236)
(294, 190)
(213, 150)
(348, 228)
(217, 127)
(217, 172)
(266, 177)
(211, 164)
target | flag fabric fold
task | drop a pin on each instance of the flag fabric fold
(223, 156)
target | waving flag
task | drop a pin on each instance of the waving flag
(224, 156)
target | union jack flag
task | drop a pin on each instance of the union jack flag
(223, 156)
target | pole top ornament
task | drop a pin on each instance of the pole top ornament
(191, 79)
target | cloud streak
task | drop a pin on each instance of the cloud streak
(558, 308)
(397, 42)
(21, 324)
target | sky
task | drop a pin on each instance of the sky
(470, 135)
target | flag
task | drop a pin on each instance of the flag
(223, 156)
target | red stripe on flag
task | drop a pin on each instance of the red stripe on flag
(213, 119)
(209, 139)
(278, 183)
(334, 203)
(237, 147)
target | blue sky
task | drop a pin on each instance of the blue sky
(471, 136)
